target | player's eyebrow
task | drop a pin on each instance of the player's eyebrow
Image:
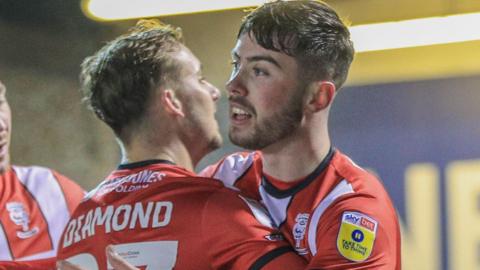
(257, 58)
(266, 58)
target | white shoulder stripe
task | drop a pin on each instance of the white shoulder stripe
(259, 212)
(277, 207)
(47, 191)
(4, 250)
(341, 189)
(233, 167)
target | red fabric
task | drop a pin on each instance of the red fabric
(27, 229)
(73, 192)
(15, 192)
(368, 197)
(211, 225)
(45, 264)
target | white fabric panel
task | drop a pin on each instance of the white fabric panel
(4, 250)
(341, 189)
(258, 211)
(44, 187)
(275, 206)
(232, 168)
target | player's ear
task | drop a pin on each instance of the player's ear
(320, 95)
(171, 103)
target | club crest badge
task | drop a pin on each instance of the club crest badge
(356, 236)
(20, 217)
(298, 232)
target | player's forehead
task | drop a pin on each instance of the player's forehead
(248, 50)
(246, 46)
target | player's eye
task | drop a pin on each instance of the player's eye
(260, 72)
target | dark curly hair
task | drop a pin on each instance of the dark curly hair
(117, 81)
(308, 30)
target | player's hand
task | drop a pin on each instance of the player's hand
(64, 265)
(117, 262)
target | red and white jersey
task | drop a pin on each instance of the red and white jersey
(338, 217)
(36, 204)
(160, 216)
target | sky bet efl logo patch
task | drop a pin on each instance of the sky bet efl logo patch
(356, 236)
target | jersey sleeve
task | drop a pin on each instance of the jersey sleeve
(241, 171)
(238, 235)
(231, 168)
(72, 191)
(357, 232)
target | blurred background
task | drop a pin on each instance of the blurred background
(409, 114)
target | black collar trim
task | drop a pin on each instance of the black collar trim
(277, 193)
(143, 163)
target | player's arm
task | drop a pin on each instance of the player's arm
(113, 258)
(356, 233)
(239, 236)
(65, 265)
(285, 261)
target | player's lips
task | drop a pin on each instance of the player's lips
(239, 115)
(241, 111)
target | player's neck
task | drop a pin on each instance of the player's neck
(168, 148)
(296, 157)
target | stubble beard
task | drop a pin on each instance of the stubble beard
(275, 128)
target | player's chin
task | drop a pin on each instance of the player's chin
(216, 142)
(213, 140)
(242, 139)
(239, 133)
